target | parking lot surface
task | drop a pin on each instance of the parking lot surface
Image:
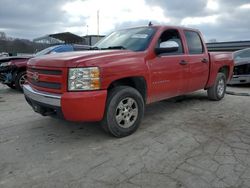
(190, 142)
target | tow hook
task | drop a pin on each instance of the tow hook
(43, 111)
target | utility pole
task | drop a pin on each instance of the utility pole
(98, 24)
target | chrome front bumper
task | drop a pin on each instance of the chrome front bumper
(240, 79)
(42, 97)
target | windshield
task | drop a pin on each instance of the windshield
(45, 51)
(136, 39)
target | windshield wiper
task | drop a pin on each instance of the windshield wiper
(94, 48)
(116, 47)
(108, 48)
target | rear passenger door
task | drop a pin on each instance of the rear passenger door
(198, 61)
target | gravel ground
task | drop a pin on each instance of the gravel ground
(191, 142)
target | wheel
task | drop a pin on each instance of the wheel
(20, 80)
(12, 86)
(124, 111)
(217, 91)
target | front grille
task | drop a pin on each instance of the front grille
(41, 71)
(46, 84)
(242, 69)
(46, 79)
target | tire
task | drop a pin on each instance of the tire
(124, 111)
(12, 86)
(218, 90)
(20, 80)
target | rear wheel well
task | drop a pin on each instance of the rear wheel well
(225, 70)
(138, 83)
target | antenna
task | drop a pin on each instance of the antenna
(150, 23)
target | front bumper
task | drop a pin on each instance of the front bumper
(72, 106)
(5, 74)
(240, 79)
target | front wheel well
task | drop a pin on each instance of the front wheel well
(225, 70)
(17, 71)
(138, 83)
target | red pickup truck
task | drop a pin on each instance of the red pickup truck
(114, 80)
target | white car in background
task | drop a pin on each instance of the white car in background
(241, 67)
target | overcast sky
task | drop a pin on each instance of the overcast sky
(224, 20)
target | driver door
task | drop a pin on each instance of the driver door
(167, 69)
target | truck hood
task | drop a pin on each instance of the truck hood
(73, 59)
(242, 61)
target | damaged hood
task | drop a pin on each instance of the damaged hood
(7, 59)
(242, 61)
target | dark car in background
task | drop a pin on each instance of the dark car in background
(13, 69)
(241, 67)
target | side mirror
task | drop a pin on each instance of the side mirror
(167, 47)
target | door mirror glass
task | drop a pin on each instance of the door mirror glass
(169, 44)
(167, 47)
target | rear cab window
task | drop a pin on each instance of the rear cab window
(194, 42)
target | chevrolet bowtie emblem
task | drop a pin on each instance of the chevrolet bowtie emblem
(35, 76)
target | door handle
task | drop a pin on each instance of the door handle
(204, 60)
(183, 62)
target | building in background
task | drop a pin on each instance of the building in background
(227, 46)
(92, 39)
(68, 38)
(60, 38)
(47, 40)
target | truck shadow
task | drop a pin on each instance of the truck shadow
(176, 103)
(56, 130)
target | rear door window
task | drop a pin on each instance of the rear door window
(194, 42)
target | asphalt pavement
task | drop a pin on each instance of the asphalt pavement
(185, 142)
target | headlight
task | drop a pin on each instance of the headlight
(5, 64)
(84, 79)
